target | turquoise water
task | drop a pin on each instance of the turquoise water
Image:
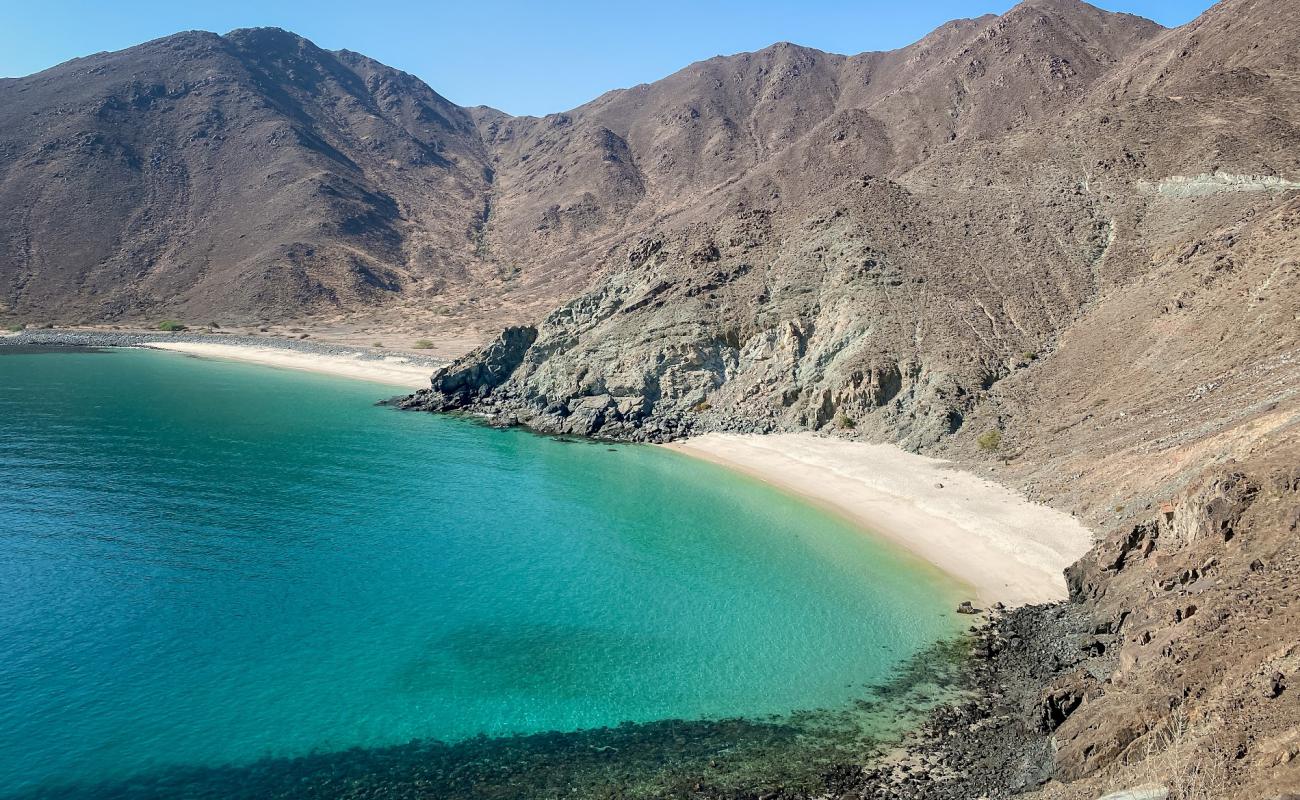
(205, 563)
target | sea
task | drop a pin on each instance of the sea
(221, 579)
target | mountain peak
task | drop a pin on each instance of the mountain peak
(1057, 5)
(266, 33)
(1074, 11)
(269, 39)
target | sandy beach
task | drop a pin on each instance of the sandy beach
(1005, 547)
(393, 370)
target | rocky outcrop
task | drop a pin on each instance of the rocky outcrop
(872, 326)
(1219, 182)
(1167, 671)
(1194, 612)
(475, 376)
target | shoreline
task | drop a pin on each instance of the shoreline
(954, 532)
(986, 538)
(397, 369)
(1004, 547)
(392, 370)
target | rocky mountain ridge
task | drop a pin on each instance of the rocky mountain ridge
(251, 174)
(1094, 298)
(845, 285)
(1059, 246)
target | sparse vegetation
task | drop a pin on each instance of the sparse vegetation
(1185, 760)
(989, 441)
(423, 344)
(703, 405)
(377, 344)
(171, 326)
(1028, 355)
(847, 422)
(17, 328)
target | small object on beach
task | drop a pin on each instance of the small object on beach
(938, 486)
(967, 607)
(999, 606)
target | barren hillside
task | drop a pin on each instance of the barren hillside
(1060, 246)
(246, 176)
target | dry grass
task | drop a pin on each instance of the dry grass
(1183, 757)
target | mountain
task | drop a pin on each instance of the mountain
(251, 174)
(571, 186)
(1060, 246)
(907, 234)
(884, 243)
(254, 176)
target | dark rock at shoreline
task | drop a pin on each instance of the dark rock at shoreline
(794, 757)
(990, 745)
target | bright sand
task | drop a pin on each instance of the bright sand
(1004, 546)
(394, 370)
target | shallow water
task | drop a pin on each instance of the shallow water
(204, 564)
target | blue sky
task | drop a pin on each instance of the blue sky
(522, 57)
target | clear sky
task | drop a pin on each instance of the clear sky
(521, 57)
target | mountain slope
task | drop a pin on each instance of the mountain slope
(860, 258)
(1060, 246)
(861, 278)
(1088, 290)
(255, 176)
(252, 174)
(693, 134)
